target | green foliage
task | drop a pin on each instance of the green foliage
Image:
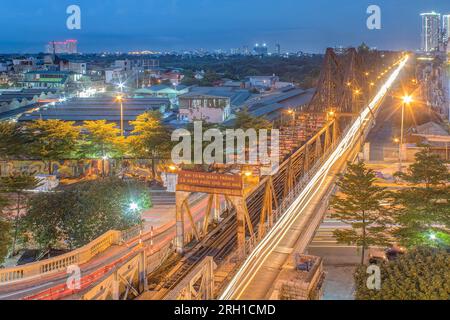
(5, 238)
(53, 139)
(5, 231)
(360, 207)
(244, 120)
(13, 141)
(303, 71)
(80, 213)
(424, 207)
(421, 274)
(151, 138)
(18, 184)
(428, 169)
(102, 139)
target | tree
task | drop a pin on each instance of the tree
(421, 274)
(424, 207)
(81, 213)
(13, 141)
(53, 140)
(244, 120)
(151, 138)
(102, 141)
(18, 185)
(5, 238)
(359, 206)
(5, 231)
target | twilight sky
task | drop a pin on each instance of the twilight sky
(126, 25)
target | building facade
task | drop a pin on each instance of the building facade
(209, 108)
(446, 30)
(62, 47)
(431, 31)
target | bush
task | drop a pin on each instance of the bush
(421, 274)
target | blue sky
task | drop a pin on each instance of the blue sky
(125, 25)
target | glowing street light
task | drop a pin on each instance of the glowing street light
(432, 236)
(133, 206)
(120, 100)
(407, 99)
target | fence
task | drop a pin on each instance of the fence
(60, 263)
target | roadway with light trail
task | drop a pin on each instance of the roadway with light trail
(249, 275)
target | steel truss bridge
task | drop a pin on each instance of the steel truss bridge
(350, 90)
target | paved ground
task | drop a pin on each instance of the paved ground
(339, 284)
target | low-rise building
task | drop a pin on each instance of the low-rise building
(163, 91)
(212, 108)
(263, 82)
(49, 79)
(211, 104)
(98, 108)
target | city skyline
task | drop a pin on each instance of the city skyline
(174, 25)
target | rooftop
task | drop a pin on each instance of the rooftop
(85, 109)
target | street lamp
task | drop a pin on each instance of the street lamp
(292, 113)
(134, 206)
(330, 115)
(120, 100)
(432, 236)
(407, 100)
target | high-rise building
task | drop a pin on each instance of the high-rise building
(62, 47)
(278, 49)
(260, 50)
(446, 29)
(431, 31)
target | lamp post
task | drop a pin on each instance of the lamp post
(406, 101)
(120, 100)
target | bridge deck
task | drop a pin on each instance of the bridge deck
(260, 286)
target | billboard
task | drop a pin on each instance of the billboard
(212, 183)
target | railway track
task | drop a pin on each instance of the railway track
(222, 240)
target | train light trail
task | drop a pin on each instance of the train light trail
(256, 259)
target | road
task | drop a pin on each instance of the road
(257, 274)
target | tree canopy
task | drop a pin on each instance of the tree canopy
(421, 274)
(5, 231)
(13, 141)
(53, 139)
(423, 209)
(244, 120)
(80, 213)
(360, 207)
(102, 139)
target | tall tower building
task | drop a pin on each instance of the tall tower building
(431, 31)
(278, 49)
(260, 50)
(446, 29)
(62, 47)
